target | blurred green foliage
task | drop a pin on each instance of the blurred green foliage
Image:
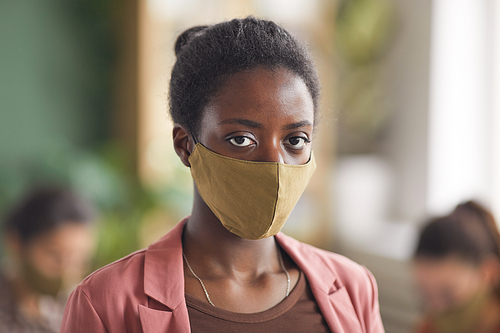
(364, 29)
(364, 32)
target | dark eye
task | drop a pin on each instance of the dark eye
(241, 141)
(297, 142)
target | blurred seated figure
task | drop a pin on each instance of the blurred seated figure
(49, 243)
(457, 269)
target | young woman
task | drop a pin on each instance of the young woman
(244, 100)
(457, 267)
(49, 242)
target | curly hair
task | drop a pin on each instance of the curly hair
(45, 209)
(208, 55)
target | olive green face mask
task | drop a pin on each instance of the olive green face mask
(40, 282)
(251, 199)
(464, 318)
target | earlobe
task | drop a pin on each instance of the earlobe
(183, 143)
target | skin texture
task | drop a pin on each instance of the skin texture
(259, 115)
(449, 282)
(64, 252)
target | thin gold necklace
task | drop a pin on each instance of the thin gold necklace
(205, 289)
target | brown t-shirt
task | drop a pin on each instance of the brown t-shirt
(296, 313)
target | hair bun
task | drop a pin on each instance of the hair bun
(186, 36)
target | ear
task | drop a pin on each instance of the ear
(183, 143)
(490, 268)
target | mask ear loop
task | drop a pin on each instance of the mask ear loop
(310, 157)
(193, 136)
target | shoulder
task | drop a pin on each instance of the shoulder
(338, 283)
(331, 271)
(123, 281)
(126, 268)
(117, 282)
(108, 299)
(111, 298)
(341, 267)
(349, 273)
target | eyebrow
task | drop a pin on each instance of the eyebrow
(255, 124)
(298, 124)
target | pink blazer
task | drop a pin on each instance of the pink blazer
(144, 292)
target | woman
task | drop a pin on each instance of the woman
(243, 97)
(49, 243)
(457, 267)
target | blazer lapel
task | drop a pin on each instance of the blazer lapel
(338, 311)
(164, 283)
(332, 298)
(164, 270)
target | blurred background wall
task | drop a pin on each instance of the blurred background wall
(55, 75)
(409, 121)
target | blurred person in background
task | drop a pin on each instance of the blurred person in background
(49, 242)
(457, 269)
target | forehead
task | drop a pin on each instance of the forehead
(64, 238)
(262, 93)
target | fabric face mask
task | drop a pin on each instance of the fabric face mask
(463, 318)
(251, 199)
(39, 282)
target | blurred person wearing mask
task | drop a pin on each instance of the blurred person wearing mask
(49, 242)
(457, 269)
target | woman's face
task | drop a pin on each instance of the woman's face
(63, 253)
(447, 283)
(260, 115)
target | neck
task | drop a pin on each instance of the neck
(216, 252)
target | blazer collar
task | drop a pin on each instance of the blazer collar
(165, 282)
(319, 275)
(168, 249)
(331, 296)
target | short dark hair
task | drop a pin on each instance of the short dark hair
(469, 233)
(45, 209)
(208, 55)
